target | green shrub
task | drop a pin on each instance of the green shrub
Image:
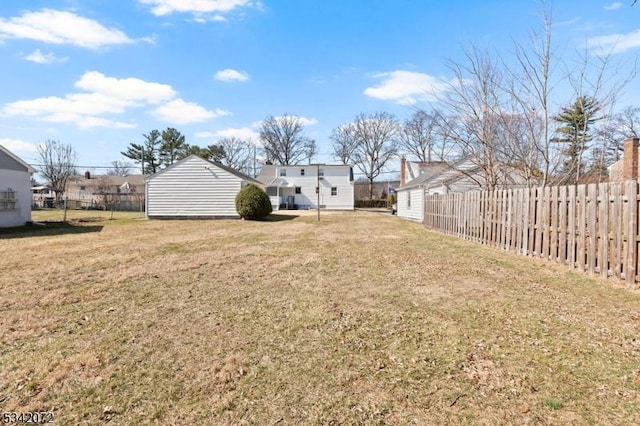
(253, 203)
(360, 204)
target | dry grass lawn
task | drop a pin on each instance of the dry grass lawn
(359, 319)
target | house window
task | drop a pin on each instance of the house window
(8, 200)
(317, 189)
(320, 173)
(301, 172)
(82, 188)
(408, 199)
(334, 190)
(283, 172)
(298, 190)
(272, 191)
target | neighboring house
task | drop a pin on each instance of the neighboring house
(15, 190)
(306, 186)
(444, 178)
(43, 196)
(125, 192)
(410, 194)
(194, 188)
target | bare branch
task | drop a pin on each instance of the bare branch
(58, 163)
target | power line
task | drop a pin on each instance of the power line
(82, 167)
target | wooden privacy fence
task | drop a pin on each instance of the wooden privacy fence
(592, 228)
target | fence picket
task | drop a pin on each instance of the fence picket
(592, 228)
(603, 222)
(562, 226)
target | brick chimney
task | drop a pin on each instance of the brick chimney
(630, 159)
(403, 170)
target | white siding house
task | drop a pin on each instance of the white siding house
(194, 188)
(442, 178)
(15, 190)
(410, 195)
(294, 187)
(410, 202)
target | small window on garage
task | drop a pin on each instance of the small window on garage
(334, 190)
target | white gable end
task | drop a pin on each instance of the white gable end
(193, 188)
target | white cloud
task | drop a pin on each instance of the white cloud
(199, 8)
(125, 89)
(61, 27)
(18, 146)
(308, 121)
(76, 104)
(44, 58)
(614, 43)
(231, 75)
(179, 111)
(103, 96)
(240, 133)
(613, 6)
(86, 122)
(407, 87)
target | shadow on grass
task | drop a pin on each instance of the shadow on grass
(45, 229)
(278, 217)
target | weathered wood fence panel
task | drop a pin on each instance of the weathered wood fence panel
(592, 228)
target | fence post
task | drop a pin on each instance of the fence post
(64, 214)
(632, 233)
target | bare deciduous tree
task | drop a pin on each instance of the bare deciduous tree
(119, 168)
(472, 105)
(57, 164)
(418, 136)
(530, 88)
(376, 138)
(283, 140)
(615, 129)
(237, 153)
(344, 143)
(602, 78)
(311, 150)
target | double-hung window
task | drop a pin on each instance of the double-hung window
(8, 199)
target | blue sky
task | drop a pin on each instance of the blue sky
(98, 74)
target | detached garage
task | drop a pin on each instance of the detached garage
(15, 190)
(194, 188)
